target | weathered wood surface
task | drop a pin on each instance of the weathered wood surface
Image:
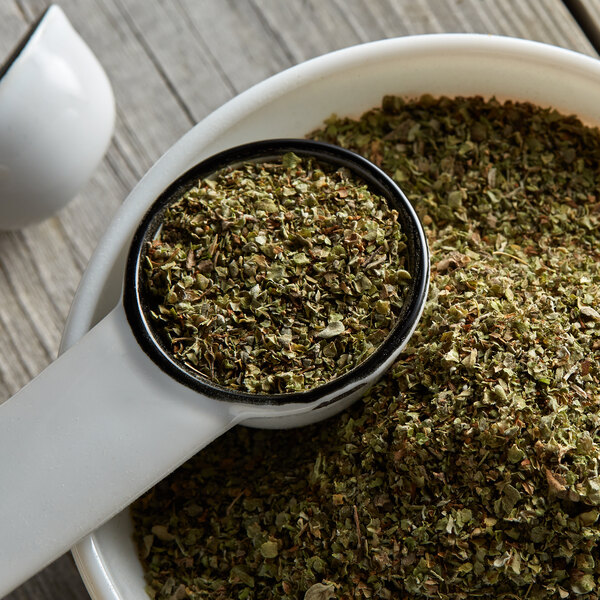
(171, 63)
(587, 14)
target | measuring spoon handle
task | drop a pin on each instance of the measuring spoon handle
(96, 429)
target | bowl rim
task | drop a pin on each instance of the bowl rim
(87, 553)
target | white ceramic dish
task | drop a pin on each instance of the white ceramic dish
(57, 115)
(293, 103)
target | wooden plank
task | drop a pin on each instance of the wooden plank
(60, 581)
(587, 15)
(198, 44)
(171, 63)
(13, 26)
(543, 20)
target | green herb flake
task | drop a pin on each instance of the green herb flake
(254, 266)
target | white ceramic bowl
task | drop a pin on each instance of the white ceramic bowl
(293, 103)
(57, 114)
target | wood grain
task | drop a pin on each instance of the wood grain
(171, 63)
(587, 15)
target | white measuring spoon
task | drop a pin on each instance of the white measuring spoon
(116, 413)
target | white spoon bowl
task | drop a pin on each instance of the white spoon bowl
(57, 115)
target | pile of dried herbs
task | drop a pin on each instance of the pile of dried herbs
(276, 277)
(472, 469)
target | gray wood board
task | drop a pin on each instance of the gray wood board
(587, 14)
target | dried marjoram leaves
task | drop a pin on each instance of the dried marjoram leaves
(276, 277)
(472, 469)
